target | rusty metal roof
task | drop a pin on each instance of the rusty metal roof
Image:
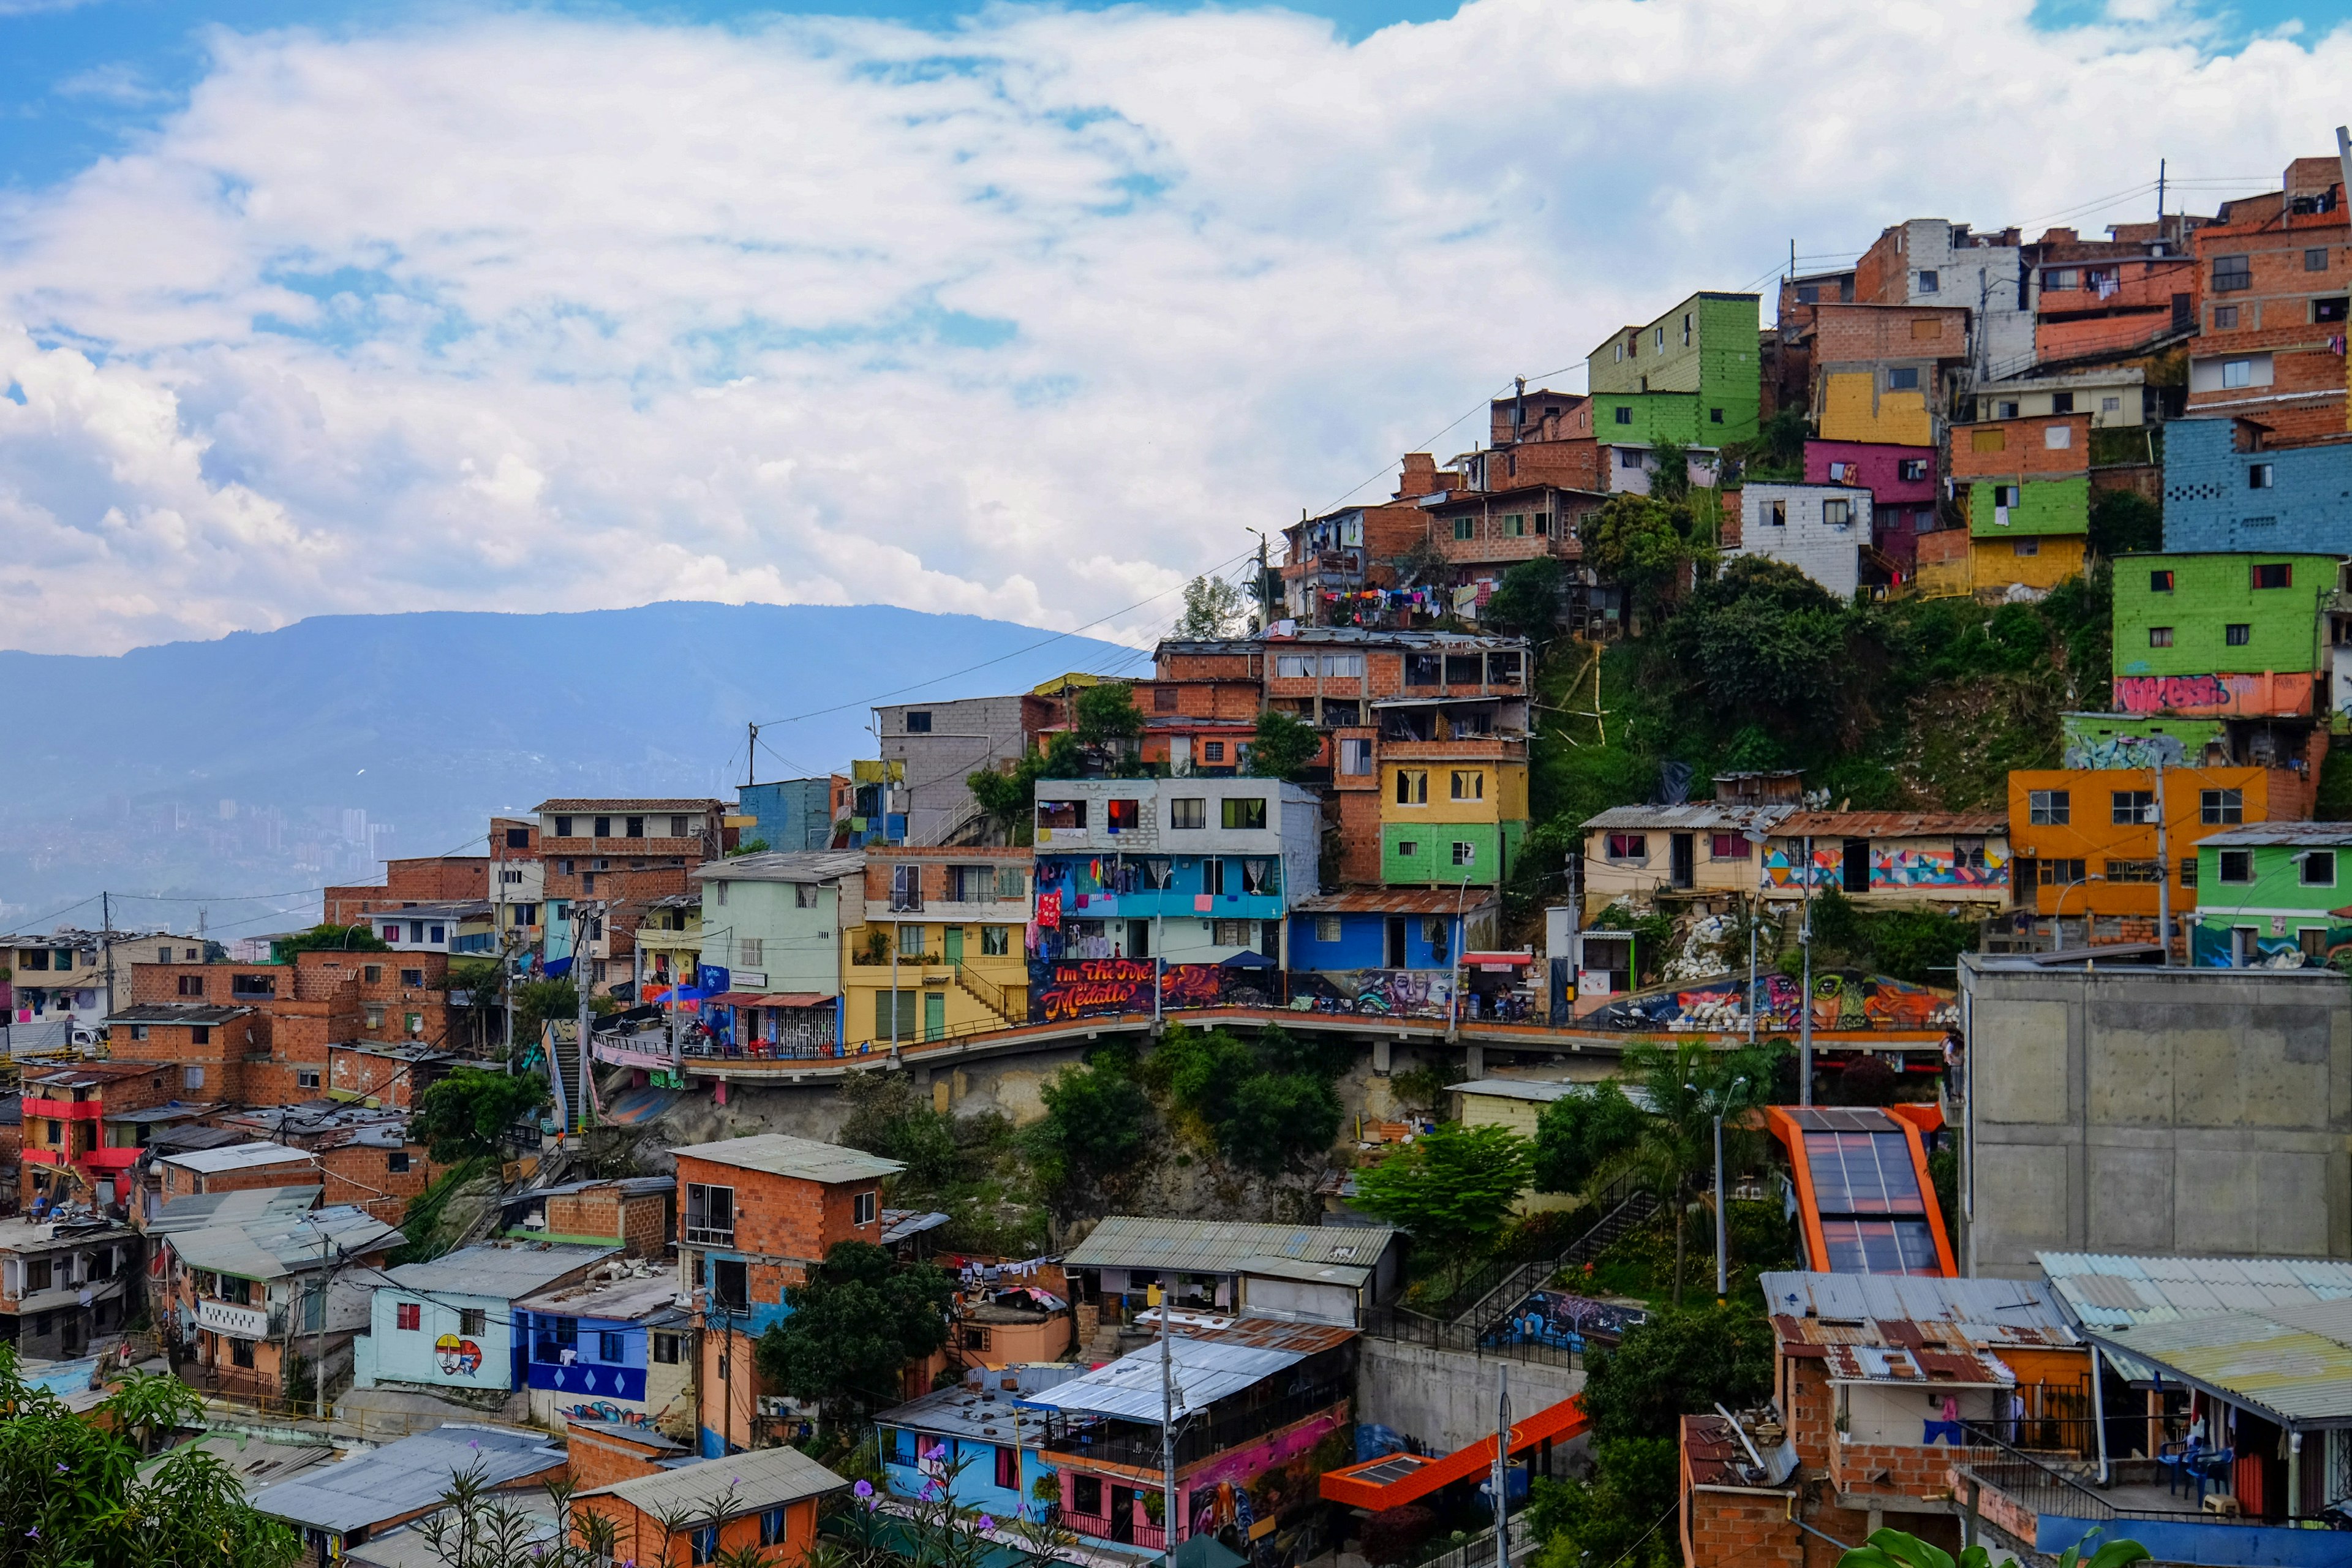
(1392, 901)
(2292, 1364)
(1911, 1328)
(1891, 823)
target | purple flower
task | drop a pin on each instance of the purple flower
(986, 1523)
(34, 1533)
(863, 1488)
(61, 1469)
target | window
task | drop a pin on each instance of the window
(192, 985)
(2319, 869)
(2004, 495)
(1355, 757)
(608, 1345)
(2237, 866)
(1995, 440)
(200, 1034)
(1469, 783)
(1658, 336)
(473, 1320)
(1911, 468)
(2159, 637)
(1086, 1496)
(2026, 547)
(1213, 751)
(2149, 871)
(2132, 807)
(1728, 846)
(1230, 933)
(396, 1162)
(918, 721)
(1929, 283)
(2237, 372)
(1837, 513)
(665, 1348)
(1010, 883)
(862, 1208)
(2061, 403)
(705, 1544)
(2064, 873)
(2260, 476)
(1243, 811)
(2159, 581)
(2111, 404)
(709, 1215)
(1902, 378)
(414, 979)
(1412, 786)
(1629, 846)
(2278, 575)
(771, 1526)
(2222, 807)
(373, 1011)
(1327, 927)
(392, 930)
(804, 895)
(1407, 849)
(730, 1282)
(634, 828)
(1464, 853)
(562, 828)
(1212, 875)
(306, 1078)
(679, 828)
(2323, 311)
(995, 942)
(2004, 410)
(1062, 815)
(2233, 273)
(240, 1352)
(1515, 525)
(2189, 870)
(2049, 807)
(1464, 528)
(1188, 811)
(2315, 259)
(408, 1315)
(2057, 438)
(1624, 413)
(1293, 665)
(1163, 700)
(2238, 633)
(1715, 416)
(604, 828)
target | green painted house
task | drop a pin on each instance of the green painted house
(774, 921)
(2274, 894)
(2009, 509)
(2213, 612)
(1693, 375)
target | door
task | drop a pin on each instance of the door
(1681, 874)
(2242, 948)
(935, 1015)
(1122, 1513)
(1395, 954)
(1138, 939)
(1857, 865)
(954, 940)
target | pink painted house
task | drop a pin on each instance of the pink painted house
(1902, 485)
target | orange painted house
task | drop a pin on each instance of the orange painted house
(2083, 840)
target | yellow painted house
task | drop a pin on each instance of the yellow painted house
(1452, 811)
(1855, 408)
(1516, 1103)
(938, 949)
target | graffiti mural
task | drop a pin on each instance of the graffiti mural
(1263, 1480)
(2213, 946)
(613, 1414)
(2126, 750)
(1894, 866)
(1375, 993)
(1844, 1000)
(1559, 1317)
(2288, 695)
(1099, 988)
(458, 1358)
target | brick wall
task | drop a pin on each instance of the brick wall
(2013, 448)
(601, 1454)
(2209, 502)
(641, 1224)
(362, 1175)
(428, 878)
(1855, 334)
(1739, 1530)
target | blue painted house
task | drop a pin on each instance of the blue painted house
(606, 1349)
(2225, 491)
(791, 813)
(452, 1322)
(977, 1439)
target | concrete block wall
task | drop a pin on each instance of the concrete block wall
(1828, 553)
(2209, 502)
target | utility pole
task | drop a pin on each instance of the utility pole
(751, 754)
(105, 949)
(1518, 408)
(1805, 1002)
(1501, 1479)
(2163, 868)
(581, 971)
(1167, 1421)
(2159, 198)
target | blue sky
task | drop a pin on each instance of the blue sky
(318, 308)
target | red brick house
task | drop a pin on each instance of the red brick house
(765, 1501)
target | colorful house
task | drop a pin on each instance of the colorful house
(2275, 895)
(791, 813)
(1389, 952)
(938, 937)
(1708, 850)
(1693, 375)
(1453, 813)
(1883, 373)
(2226, 488)
(2027, 483)
(247, 1294)
(1823, 530)
(2084, 839)
(611, 1347)
(1950, 859)
(1192, 870)
(1902, 485)
(2225, 634)
(754, 1214)
(979, 1441)
(1265, 1407)
(452, 1322)
(768, 919)
(758, 1507)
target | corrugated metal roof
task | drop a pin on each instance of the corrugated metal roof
(576, 808)
(2329, 835)
(1346, 1274)
(2294, 1363)
(1692, 815)
(897, 1225)
(1204, 1371)
(1979, 1312)
(1218, 1246)
(2112, 1291)
(781, 1154)
(273, 1243)
(505, 1271)
(405, 1478)
(176, 1013)
(786, 866)
(1391, 901)
(984, 1412)
(736, 1485)
(618, 1300)
(206, 1209)
(237, 1157)
(1891, 823)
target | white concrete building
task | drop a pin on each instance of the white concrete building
(1821, 529)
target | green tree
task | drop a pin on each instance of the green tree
(1279, 1118)
(1578, 1134)
(749, 847)
(2125, 523)
(1526, 603)
(1213, 608)
(467, 1115)
(1631, 541)
(854, 1324)
(1282, 746)
(1106, 714)
(1011, 796)
(1669, 470)
(357, 937)
(536, 1002)
(1677, 1362)
(1765, 643)
(1263, 1103)
(1895, 1549)
(1421, 566)
(1097, 1123)
(1453, 1189)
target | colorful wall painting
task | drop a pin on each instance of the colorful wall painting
(1561, 1318)
(2248, 695)
(1373, 992)
(1099, 988)
(1891, 865)
(1846, 1001)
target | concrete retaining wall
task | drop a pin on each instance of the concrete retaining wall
(1446, 1398)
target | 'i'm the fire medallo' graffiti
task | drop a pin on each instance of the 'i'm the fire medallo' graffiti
(1097, 988)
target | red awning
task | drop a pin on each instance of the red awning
(1498, 960)
(770, 999)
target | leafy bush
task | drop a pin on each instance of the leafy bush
(1452, 1189)
(1394, 1534)
(467, 1115)
(1097, 1123)
(1264, 1104)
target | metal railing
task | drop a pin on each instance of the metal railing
(2046, 1482)
(990, 994)
(1196, 1440)
(1401, 1326)
(1622, 1206)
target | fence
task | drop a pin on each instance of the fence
(2063, 1482)
(1198, 1439)
(1403, 1327)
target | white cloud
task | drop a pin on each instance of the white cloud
(1031, 318)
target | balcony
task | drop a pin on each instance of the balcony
(1123, 1443)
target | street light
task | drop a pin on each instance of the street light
(1722, 1249)
(2058, 910)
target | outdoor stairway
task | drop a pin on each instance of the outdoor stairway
(565, 1063)
(988, 994)
(1488, 1312)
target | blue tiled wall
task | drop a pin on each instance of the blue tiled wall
(2209, 503)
